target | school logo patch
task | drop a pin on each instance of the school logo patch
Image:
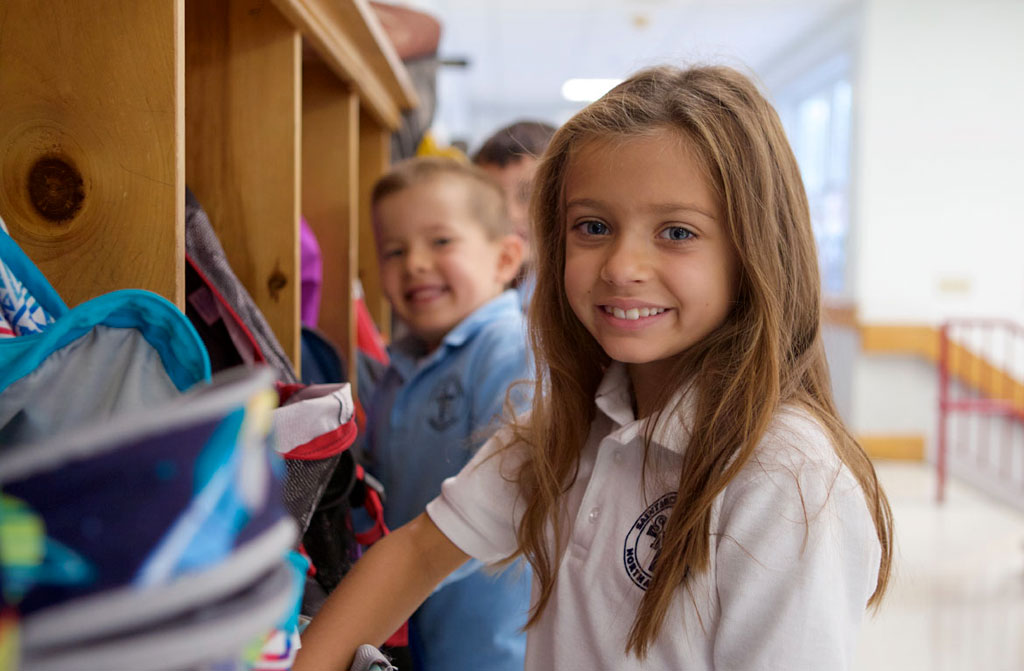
(445, 402)
(643, 542)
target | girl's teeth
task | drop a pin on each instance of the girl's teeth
(633, 313)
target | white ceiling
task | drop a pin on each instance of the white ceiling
(521, 51)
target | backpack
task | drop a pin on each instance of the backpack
(141, 515)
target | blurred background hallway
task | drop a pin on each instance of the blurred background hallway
(957, 601)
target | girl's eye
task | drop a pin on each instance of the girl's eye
(392, 253)
(594, 227)
(441, 242)
(676, 233)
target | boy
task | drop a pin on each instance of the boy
(510, 156)
(447, 256)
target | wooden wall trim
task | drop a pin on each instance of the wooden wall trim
(917, 340)
(964, 365)
(906, 447)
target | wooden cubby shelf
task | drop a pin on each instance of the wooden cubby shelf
(266, 109)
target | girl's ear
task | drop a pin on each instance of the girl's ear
(510, 257)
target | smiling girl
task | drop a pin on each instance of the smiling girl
(683, 487)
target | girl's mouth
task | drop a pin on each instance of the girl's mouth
(632, 314)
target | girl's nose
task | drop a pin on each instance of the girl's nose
(628, 262)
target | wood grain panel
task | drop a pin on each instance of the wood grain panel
(91, 142)
(243, 129)
(330, 169)
(374, 160)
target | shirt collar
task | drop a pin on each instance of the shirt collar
(614, 398)
(407, 354)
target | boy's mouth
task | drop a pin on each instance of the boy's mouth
(632, 314)
(424, 294)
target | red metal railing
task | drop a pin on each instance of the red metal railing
(981, 401)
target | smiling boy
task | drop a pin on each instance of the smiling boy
(447, 254)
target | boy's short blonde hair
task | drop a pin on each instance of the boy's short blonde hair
(486, 200)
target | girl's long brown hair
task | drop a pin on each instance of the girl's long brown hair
(768, 352)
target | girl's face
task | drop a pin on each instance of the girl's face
(649, 268)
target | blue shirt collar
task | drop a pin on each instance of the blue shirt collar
(407, 354)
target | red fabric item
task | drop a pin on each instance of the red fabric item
(326, 445)
(285, 391)
(368, 338)
(400, 638)
(360, 415)
(311, 571)
(375, 509)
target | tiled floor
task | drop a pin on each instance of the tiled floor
(957, 600)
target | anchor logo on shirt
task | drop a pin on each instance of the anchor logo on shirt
(446, 399)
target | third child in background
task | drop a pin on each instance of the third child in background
(447, 255)
(510, 155)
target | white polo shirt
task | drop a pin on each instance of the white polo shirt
(794, 555)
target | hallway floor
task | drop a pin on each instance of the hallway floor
(956, 602)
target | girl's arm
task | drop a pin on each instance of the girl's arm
(380, 592)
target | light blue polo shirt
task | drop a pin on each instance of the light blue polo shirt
(429, 415)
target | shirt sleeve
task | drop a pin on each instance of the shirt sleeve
(476, 509)
(797, 558)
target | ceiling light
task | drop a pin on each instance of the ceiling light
(587, 90)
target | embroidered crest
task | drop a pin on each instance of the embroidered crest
(445, 401)
(643, 542)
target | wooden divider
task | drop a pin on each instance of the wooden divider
(242, 120)
(91, 143)
(374, 160)
(330, 169)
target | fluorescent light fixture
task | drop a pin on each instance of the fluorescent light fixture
(587, 90)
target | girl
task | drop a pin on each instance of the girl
(684, 488)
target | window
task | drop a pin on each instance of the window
(817, 114)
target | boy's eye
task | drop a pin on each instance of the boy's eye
(440, 242)
(392, 253)
(593, 227)
(676, 233)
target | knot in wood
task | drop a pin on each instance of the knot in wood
(55, 189)
(276, 282)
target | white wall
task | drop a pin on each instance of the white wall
(938, 194)
(939, 191)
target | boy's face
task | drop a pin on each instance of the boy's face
(516, 180)
(437, 264)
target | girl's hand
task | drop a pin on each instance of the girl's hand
(380, 592)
